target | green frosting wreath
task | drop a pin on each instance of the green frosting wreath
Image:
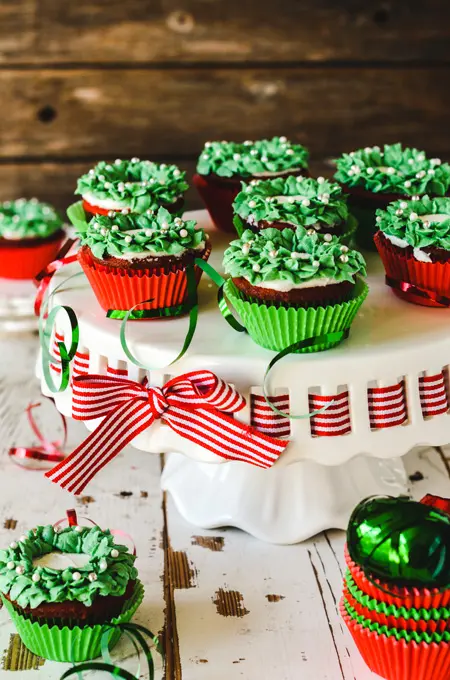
(108, 571)
(21, 219)
(247, 159)
(291, 255)
(394, 169)
(134, 184)
(404, 222)
(160, 233)
(301, 201)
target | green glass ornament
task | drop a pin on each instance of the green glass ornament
(401, 541)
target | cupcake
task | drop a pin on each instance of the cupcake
(64, 587)
(374, 178)
(396, 590)
(293, 202)
(31, 234)
(293, 285)
(133, 258)
(414, 243)
(133, 185)
(222, 167)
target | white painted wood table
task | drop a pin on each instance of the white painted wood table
(226, 605)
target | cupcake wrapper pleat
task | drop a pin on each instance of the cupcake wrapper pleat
(79, 643)
(276, 328)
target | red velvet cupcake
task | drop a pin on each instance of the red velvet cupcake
(223, 166)
(132, 185)
(130, 259)
(31, 234)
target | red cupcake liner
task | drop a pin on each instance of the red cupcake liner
(23, 261)
(391, 621)
(218, 196)
(121, 288)
(416, 598)
(401, 266)
(397, 659)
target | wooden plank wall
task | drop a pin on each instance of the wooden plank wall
(96, 79)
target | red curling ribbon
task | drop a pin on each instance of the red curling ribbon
(48, 451)
(416, 293)
(196, 405)
(72, 520)
(42, 280)
(438, 502)
(72, 517)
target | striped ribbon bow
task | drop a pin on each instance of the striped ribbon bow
(195, 405)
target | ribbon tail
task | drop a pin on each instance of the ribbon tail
(225, 436)
(117, 430)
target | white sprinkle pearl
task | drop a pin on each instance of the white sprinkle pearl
(344, 249)
(252, 204)
(36, 577)
(311, 232)
(415, 198)
(343, 258)
(135, 159)
(273, 253)
(128, 239)
(107, 185)
(421, 157)
(420, 174)
(236, 156)
(149, 232)
(23, 538)
(246, 248)
(356, 169)
(431, 171)
(320, 180)
(118, 161)
(76, 575)
(205, 156)
(426, 223)
(289, 152)
(78, 528)
(368, 149)
(103, 564)
(92, 576)
(413, 216)
(111, 213)
(103, 231)
(183, 233)
(253, 152)
(121, 187)
(114, 553)
(306, 202)
(403, 205)
(91, 172)
(370, 171)
(20, 569)
(327, 237)
(407, 184)
(283, 139)
(176, 172)
(125, 211)
(391, 171)
(315, 263)
(378, 220)
(256, 267)
(114, 227)
(13, 545)
(435, 161)
(410, 161)
(11, 565)
(399, 211)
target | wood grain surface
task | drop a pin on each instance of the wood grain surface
(93, 31)
(226, 606)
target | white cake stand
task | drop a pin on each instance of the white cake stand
(17, 306)
(318, 479)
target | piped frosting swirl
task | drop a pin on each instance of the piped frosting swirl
(23, 218)
(420, 224)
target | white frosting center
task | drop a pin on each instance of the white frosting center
(285, 286)
(14, 236)
(288, 199)
(109, 203)
(61, 561)
(152, 253)
(419, 254)
(437, 218)
(276, 174)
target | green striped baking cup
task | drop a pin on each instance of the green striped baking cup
(390, 609)
(79, 643)
(399, 634)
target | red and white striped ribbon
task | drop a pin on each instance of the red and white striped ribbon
(58, 337)
(387, 406)
(80, 364)
(333, 422)
(195, 405)
(265, 419)
(433, 395)
(117, 371)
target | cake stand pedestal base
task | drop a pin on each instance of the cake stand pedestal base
(284, 505)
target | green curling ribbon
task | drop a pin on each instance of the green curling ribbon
(191, 306)
(221, 300)
(138, 635)
(77, 217)
(401, 541)
(302, 344)
(46, 323)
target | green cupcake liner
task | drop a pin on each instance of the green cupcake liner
(276, 328)
(399, 634)
(71, 644)
(390, 609)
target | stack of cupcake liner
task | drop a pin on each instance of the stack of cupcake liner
(401, 633)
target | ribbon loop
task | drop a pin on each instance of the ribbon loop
(195, 405)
